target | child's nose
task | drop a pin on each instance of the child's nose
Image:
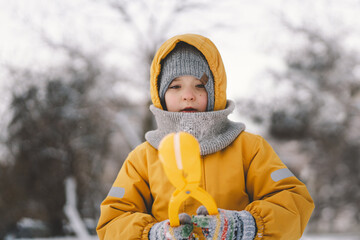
(188, 95)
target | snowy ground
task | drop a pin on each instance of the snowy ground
(330, 237)
(307, 237)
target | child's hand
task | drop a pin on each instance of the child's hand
(163, 230)
(227, 224)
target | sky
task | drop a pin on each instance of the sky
(248, 34)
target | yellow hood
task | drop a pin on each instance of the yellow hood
(212, 55)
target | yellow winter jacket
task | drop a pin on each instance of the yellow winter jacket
(246, 175)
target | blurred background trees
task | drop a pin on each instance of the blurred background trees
(323, 112)
(80, 104)
(315, 106)
(56, 132)
(80, 117)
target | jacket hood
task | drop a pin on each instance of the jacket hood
(212, 55)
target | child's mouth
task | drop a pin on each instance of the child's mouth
(189, 110)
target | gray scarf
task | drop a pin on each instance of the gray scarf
(213, 130)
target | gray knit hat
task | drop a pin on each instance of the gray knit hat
(185, 59)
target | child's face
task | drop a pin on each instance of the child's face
(186, 94)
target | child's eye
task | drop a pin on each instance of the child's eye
(174, 87)
(200, 86)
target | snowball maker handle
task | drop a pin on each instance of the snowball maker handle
(179, 154)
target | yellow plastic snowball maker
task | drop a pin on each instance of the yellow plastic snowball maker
(180, 156)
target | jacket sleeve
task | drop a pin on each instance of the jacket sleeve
(125, 212)
(280, 203)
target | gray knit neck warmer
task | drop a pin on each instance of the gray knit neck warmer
(213, 130)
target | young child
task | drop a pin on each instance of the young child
(257, 196)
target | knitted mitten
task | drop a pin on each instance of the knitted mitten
(163, 230)
(229, 225)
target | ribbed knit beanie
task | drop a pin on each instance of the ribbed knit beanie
(183, 60)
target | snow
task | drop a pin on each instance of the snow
(57, 238)
(71, 211)
(330, 237)
(307, 237)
